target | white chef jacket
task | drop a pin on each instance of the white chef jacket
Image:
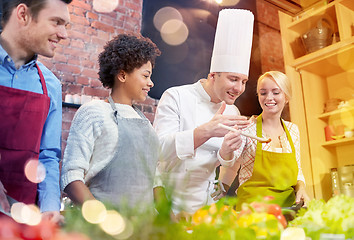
(190, 173)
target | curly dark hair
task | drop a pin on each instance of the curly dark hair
(125, 52)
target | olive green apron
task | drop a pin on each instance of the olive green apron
(274, 174)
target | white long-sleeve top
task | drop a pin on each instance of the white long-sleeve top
(180, 110)
(92, 140)
(246, 159)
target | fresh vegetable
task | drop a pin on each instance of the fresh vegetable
(265, 207)
(336, 217)
(257, 220)
(214, 214)
(45, 230)
(274, 209)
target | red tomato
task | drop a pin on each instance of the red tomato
(259, 207)
(9, 229)
(245, 211)
(43, 231)
(274, 209)
(282, 220)
(268, 198)
(31, 233)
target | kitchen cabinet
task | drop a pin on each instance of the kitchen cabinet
(317, 77)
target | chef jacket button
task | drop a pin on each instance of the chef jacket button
(8, 59)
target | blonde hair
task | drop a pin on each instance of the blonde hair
(280, 79)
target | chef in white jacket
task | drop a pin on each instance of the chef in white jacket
(187, 117)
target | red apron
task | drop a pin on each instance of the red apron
(22, 117)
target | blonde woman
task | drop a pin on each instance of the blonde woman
(274, 168)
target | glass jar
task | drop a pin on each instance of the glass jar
(335, 183)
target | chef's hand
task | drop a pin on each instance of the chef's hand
(183, 216)
(173, 217)
(212, 129)
(3, 199)
(232, 142)
(53, 216)
(220, 190)
(228, 120)
(301, 193)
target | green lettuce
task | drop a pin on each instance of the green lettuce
(335, 217)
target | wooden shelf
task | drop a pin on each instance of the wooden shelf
(311, 16)
(348, 3)
(328, 61)
(339, 142)
(317, 77)
(337, 112)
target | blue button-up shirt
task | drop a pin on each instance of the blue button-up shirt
(27, 78)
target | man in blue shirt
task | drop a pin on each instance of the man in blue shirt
(30, 102)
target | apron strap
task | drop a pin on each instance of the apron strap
(259, 133)
(113, 106)
(139, 112)
(116, 113)
(44, 86)
(289, 137)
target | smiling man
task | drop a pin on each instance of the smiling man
(30, 101)
(187, 117)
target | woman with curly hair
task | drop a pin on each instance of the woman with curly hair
(112, 149)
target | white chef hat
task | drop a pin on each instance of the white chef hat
(233, 41)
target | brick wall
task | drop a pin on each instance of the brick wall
(270, 46)
(75, 62)
(269, 37)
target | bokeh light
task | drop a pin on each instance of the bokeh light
(227, 3)
(174, 32)
(128, 231)
(347, 118)
(171, 26)
(113, 224)
(291, 233)
(31, 215)
(16, 212)
(105, 6)
(345, 61)
(35, 171)
(26, 214)
(165, 14)
(94, 211)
